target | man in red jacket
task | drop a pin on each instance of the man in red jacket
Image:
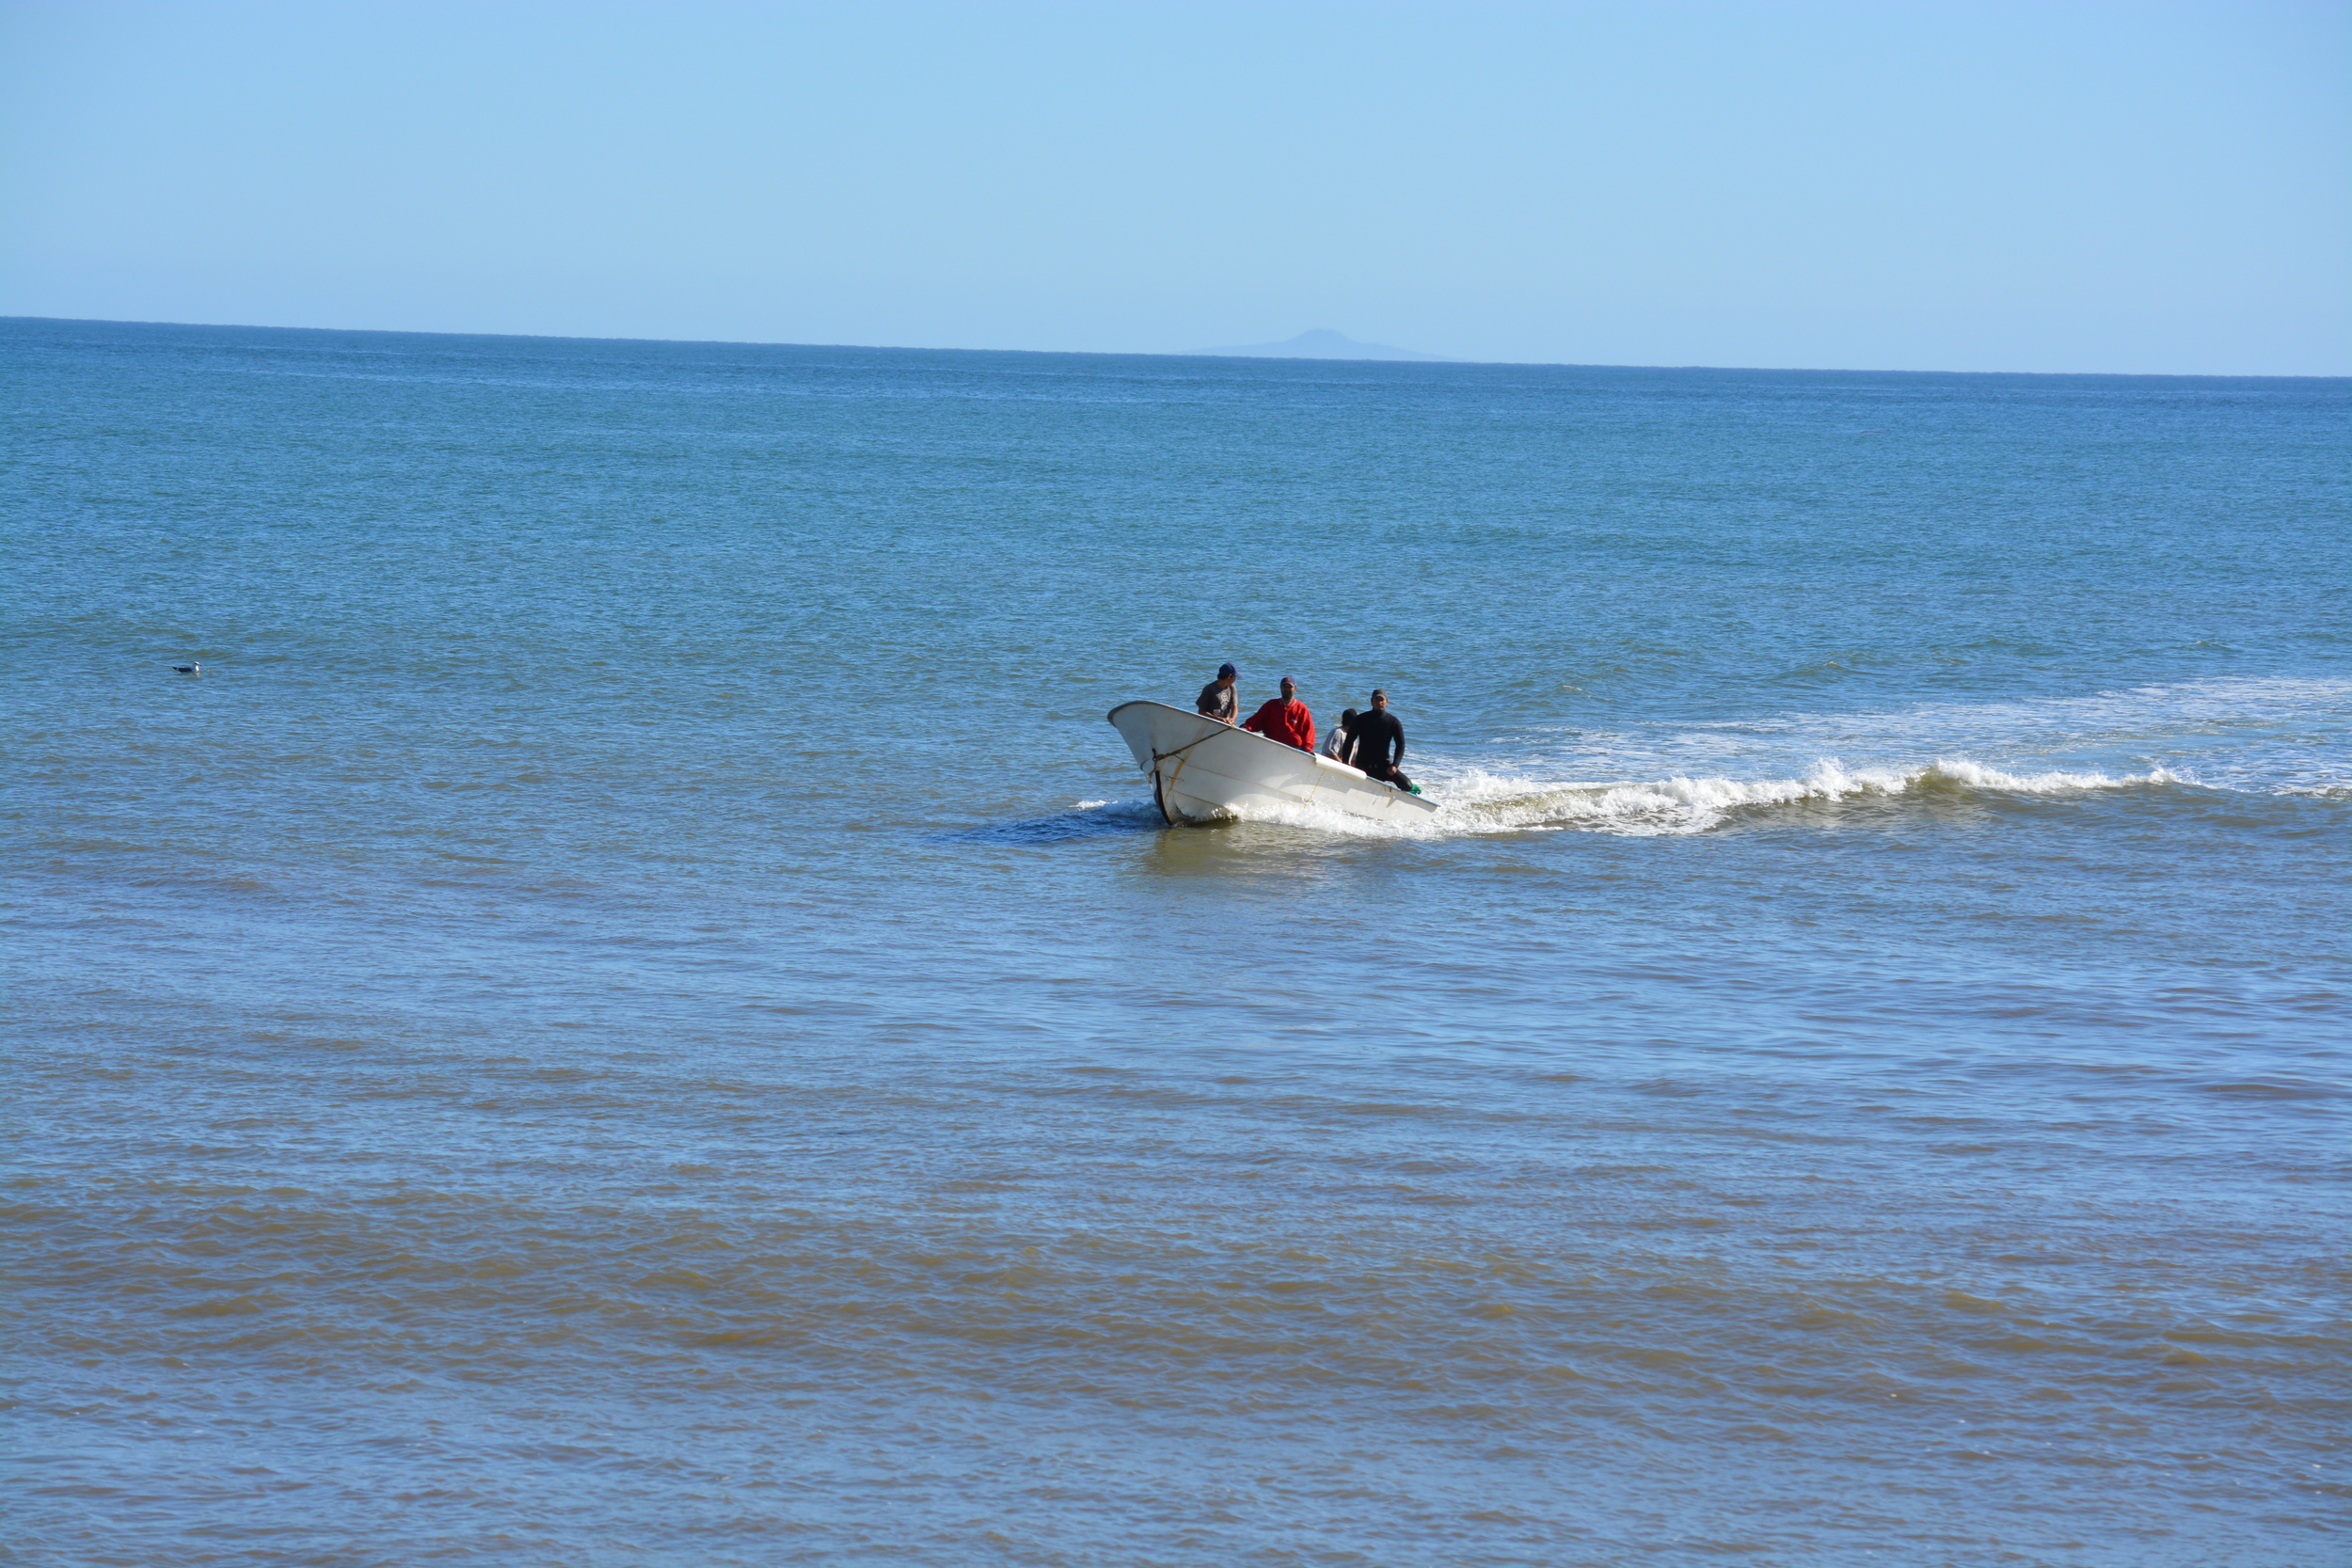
(1286, 718)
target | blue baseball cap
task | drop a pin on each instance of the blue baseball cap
(1225, 670)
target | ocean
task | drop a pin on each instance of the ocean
(636, 1013)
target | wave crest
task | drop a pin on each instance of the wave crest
(1483, 801)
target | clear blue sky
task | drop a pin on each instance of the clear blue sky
(1910, 184)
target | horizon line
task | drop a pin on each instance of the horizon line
(1433, 363)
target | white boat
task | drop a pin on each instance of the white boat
(1204, 771)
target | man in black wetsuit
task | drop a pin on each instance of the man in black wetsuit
(1376, 731)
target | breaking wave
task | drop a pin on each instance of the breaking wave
(1481, 800)
(2225, 736)
(1477, 802)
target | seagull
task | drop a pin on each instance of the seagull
(189, 669)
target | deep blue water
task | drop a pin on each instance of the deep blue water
(637, 1013)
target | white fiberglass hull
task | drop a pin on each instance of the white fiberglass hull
(1204, 771)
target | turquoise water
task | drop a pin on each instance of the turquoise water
(636, 1013)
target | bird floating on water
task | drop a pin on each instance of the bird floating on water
(189, 669)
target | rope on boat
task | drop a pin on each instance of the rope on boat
(1159, 796)
(1158, 757)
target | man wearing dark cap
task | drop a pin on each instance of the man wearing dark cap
(1376, 731)
(1286, 718)
(1217, 700)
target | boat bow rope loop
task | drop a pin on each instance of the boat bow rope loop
(1158, 783)
(1158, 757)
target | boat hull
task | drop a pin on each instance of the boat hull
(1205, 772)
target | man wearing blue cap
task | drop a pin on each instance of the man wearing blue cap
(1218, 699)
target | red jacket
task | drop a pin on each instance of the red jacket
(1286, 722)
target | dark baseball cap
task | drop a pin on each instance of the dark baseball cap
(1225, 670)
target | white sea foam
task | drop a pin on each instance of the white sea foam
(2258, 734)
(1682, 805)
(1479, 801)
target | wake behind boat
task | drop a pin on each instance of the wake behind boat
(1206, 771)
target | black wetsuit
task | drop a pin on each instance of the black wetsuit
(1375, 731)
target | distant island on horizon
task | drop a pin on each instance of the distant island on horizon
(1320, 343)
